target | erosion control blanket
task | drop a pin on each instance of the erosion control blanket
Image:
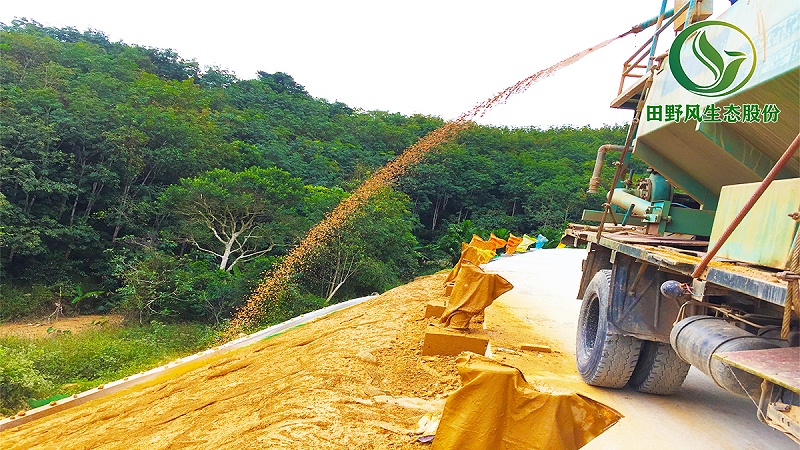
(497, 409)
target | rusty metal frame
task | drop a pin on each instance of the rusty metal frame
(770, 292)
(635, 61)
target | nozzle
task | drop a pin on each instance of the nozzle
(647, 23)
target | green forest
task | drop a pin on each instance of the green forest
(132, 181)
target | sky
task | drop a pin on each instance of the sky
(433, 57)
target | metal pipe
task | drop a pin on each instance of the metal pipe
(628, 141)
(689, 13)
(697, 338)
(787, 155)
(763, 401)
(627, 65)
(625, 200)
(658, 31)
(594, 182)
(655, 38)
(647, 23)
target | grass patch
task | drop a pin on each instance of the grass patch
(62, 364)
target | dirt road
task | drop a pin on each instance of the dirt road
(542, 306)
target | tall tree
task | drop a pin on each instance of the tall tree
(372, 251)
(236, 216)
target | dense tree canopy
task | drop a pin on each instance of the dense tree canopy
(121, 165)
(235, 216)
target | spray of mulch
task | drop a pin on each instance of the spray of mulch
(266, 296)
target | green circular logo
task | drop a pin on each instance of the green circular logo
(729, 73)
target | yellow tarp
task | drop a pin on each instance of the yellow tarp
(527, 241)
(476, 255)
(495, 408)
(471, 254)
(473, 291)
(513, 242)
(477, 241)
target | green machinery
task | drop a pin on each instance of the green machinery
(694, 264)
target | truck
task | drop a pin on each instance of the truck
(696, 263)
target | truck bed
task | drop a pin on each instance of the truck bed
(681, 254)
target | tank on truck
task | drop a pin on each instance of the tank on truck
(698, 263)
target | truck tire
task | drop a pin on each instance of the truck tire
(660, 370)
(603, 359)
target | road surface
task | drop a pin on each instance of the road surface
(699, 415)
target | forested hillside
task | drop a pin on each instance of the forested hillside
(132, 179)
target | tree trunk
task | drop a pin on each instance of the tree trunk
(334, 290)
(342, 272)
(122, 208)
(223, 263)
(74, 207)
(435, 213)
(96, 189)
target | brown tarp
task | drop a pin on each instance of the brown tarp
(473, 291)
(497, 409)
(471, 254)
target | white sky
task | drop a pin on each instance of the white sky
(435, 57)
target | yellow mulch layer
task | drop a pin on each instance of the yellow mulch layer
(351, 380)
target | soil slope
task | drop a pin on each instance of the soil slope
(353, 379)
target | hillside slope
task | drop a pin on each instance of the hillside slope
(337, 382)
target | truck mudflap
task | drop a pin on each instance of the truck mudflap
(779, 405)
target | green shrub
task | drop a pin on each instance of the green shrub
(105, 355)
(17, 302)
(19, 381)
(553, 235)
(178, 289)
(67, 363)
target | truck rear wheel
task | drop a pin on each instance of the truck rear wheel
(660, 370)
(603, 359)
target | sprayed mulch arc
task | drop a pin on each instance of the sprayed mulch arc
(266, 295)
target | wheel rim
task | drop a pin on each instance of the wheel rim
(589, 329)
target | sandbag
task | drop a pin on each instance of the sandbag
(540, 241)
(495, 408)
(477, 241)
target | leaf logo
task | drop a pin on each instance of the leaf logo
(728, 76)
